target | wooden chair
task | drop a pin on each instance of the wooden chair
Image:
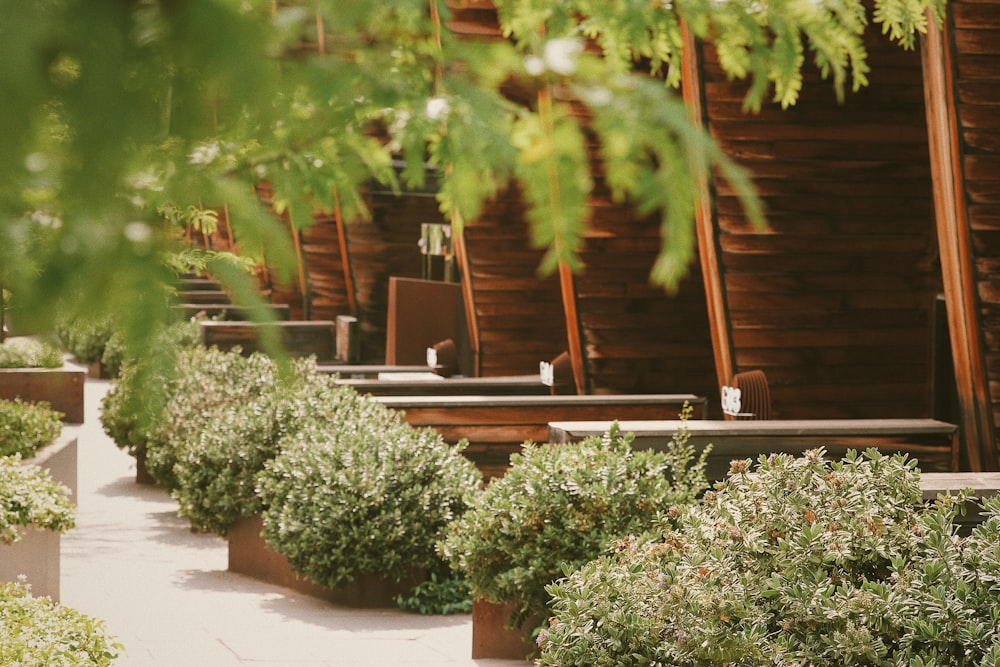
(558, 375)
(443, 358)
(748, 397)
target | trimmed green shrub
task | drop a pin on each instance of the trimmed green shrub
(29, 353)
(25, 426)
(30, 497)
(560, 506)
(36, 631)
(217, 466)
(179, 335)
(801, 561)
(84, 338)
(198, 383)
(365, 494)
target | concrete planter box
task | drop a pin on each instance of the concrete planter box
(250, 555)
(491, 639)
(37, 555)
(61, 387)
(60, 459)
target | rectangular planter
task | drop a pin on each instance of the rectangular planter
(492, 639)
(36, 557)
(250, 555)
(60, 459)
(61, 387)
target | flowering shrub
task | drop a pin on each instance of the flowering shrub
(30, 497)
(27, 426)
(558, 507)
(364, 494)
(801, 561)
(38, 631)
(29, 353)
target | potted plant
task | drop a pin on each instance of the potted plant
(794, 561)
(35, 432)
(556, 508)
(35, 370)
(148, 408)
(215, 466)
(85, 338)
(358, 504)
(39, 631)
(34, 511)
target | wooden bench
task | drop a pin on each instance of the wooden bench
(430, 384)
(228, 311)
(300, 338)
(371, 371)
(497, 426)
(203, 296)
(983, 485)
(933, 443)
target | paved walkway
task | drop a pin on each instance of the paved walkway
(166, 594)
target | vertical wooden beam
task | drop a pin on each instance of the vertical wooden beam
(468, 293)
(954, 245)
(711, 267)
(345, 255)
(567, 285)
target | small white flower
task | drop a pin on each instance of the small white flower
(561, 53)
(205, 154)
(138, 232)
(44, 219)
(318, 163)
(437, 108)
(534, 66)
(36, 162)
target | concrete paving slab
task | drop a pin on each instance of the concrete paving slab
(166, 594)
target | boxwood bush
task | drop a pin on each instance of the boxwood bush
(216, 467)
(190, 392)
(560, 506)
(29, 497)
(84, 337)
(364, 494)
(29, 353)
(799, 561)
(36, 631)
(26, 426)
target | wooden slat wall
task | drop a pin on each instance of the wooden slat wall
(975, 36)
(637, 338)
(834, 301)
(385, 246)
(519, 314)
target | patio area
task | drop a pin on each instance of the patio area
(167, 596)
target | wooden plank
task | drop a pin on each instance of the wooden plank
(520, 385)
(300, 338)
(932, 442)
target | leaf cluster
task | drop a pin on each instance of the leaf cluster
(27, 426)
(364, 494)
(560, 506)
(797, 561)
(38, 631)
(29, 497)
(29, 353)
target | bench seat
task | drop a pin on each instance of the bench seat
(497, 426)
(301, 338)
(428, 384)
(933, 443)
